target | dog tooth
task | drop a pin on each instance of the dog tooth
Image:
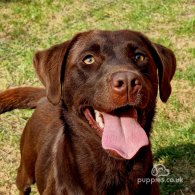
(99, 119)
(97, 114)
(101, 124)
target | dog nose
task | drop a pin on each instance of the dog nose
(125, 82)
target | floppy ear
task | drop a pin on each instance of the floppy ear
(48, 65)
(166, 70)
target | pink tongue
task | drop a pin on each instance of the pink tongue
(123, 134)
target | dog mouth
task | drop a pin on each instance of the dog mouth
(121, 134)
(95, 119)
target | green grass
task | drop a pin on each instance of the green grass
(27, 26)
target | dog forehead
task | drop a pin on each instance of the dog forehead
(112, 38)
(105, 39)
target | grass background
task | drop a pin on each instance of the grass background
(26, 26)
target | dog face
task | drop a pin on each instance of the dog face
(113, 68)
(109, 80)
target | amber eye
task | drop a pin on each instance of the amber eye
(89, 59)
(139, 57)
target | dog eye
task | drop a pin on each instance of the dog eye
(139, 57)
(89, 59)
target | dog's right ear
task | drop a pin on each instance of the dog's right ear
(48, 65)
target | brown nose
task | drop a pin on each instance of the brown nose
(125, 82)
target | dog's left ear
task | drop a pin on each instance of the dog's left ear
(166, 70)
(48, 65)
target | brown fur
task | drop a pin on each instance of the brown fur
(20, 98)
(60, 151)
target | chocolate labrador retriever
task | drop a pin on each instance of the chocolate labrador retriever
(90, 135)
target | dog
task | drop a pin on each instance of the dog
(90, 131)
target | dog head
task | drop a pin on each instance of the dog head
(110, 80)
